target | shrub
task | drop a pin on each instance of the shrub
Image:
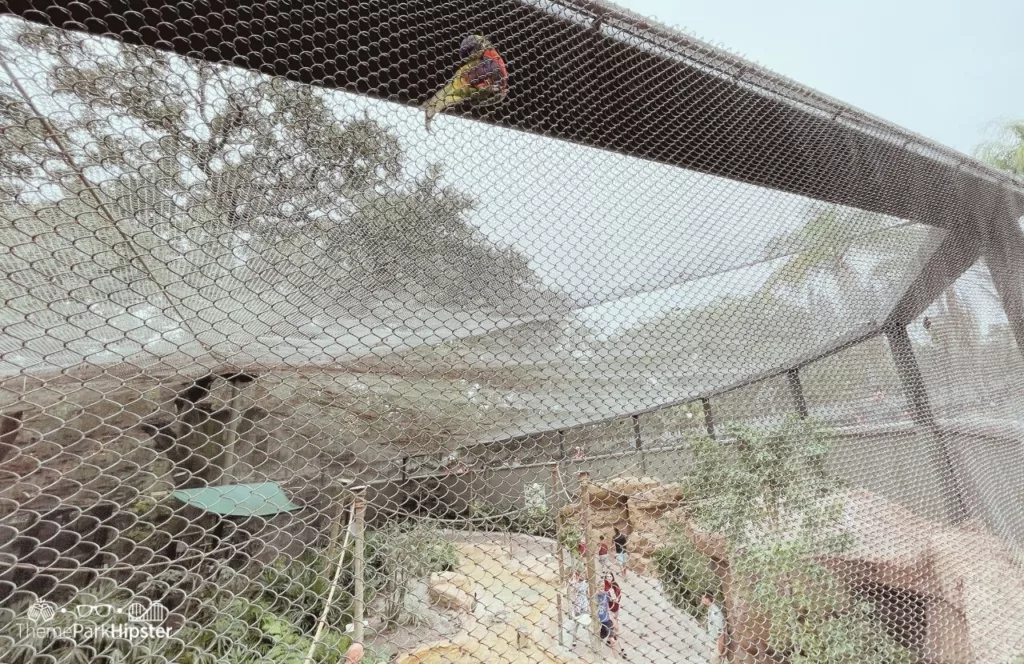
(686, 574)
(399, 554)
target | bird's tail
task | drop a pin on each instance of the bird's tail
(450, 95)
(430, 112)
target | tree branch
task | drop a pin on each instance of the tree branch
(88, 187)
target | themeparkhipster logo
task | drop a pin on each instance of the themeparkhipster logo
(98, 621)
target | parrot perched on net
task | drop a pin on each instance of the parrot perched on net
(482, 79)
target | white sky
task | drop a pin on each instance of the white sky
(945, 69)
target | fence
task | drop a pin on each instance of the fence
(635, 350)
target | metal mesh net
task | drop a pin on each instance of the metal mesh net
(635, 352)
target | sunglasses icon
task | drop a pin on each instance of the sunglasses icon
(97, 610)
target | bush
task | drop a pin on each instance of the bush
(769, 493)
(535, 521)
(399, 554)
(686, 574)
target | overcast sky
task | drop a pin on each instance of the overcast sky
(945, 69)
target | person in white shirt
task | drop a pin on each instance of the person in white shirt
(579, 609)
(715, 624)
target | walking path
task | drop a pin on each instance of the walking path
(516, 616)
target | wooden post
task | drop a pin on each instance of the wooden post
(559, 552)
(796, 389)
(358, 562)
(590, 556)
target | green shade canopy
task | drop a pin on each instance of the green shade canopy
(261, 499)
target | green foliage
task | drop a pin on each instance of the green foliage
(24, 646)
(686, 573)
(536, 521)
(399, 554)
(570, 537)
(298, 590)
(221, 163)
(249, 632)
(768, 492)
(1006, 150)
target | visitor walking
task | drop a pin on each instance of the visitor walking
(579, 609)
(715, 624)
(604, 615)
(620, 550)
(611, 586)
(602, 552)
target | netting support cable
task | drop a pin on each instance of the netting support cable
(322, 622)
(916, 394)
(796, 389)
(358, 562)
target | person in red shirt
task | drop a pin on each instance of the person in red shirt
(611, 586)
(602, 552)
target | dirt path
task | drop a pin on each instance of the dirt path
(516, 617)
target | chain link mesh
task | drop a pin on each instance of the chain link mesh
(637, 352)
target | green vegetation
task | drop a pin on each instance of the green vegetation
(768, 493)
(686, 574)
(399, 554)
(1006, 150)
(537, 521)
(235, 619)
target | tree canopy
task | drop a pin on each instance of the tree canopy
(234, 170)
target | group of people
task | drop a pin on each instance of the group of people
(609, 600)
(608, 596)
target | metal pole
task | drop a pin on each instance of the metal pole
(590, 556)
(358, 562)
(638, 443)
(796, 388)
(709, 416)
(230, 457)
(920, 410)
(559, 552)
(1002, 251)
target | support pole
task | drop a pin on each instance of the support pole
(1003, 250)
(590, 556)
(358, 562)
(230, 456)
(796, 389)
(709, 416)
(920, 409)
(638, 443)
(10, 425)
(561, 444)
(559, 551)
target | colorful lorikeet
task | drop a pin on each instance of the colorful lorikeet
(482, 79)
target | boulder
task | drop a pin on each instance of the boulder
(460, 581)
(449, 596)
